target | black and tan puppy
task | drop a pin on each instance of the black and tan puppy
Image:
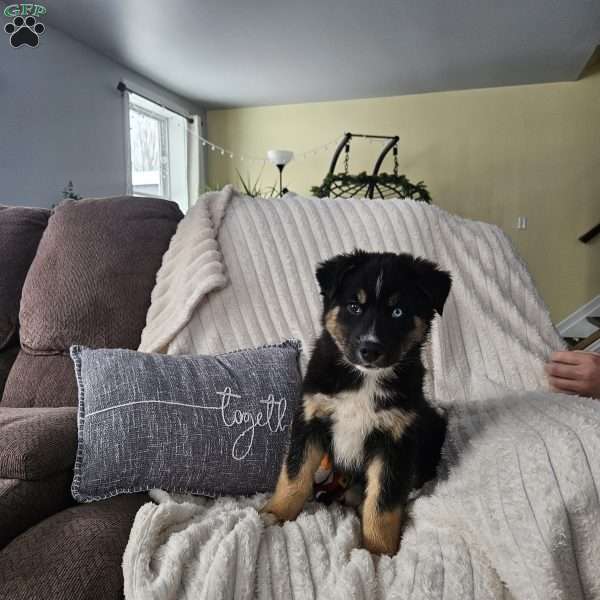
(363, 400)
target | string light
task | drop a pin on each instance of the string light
(297, 155)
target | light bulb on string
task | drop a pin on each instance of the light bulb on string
(307, 154)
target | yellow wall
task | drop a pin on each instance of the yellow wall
(490, 154)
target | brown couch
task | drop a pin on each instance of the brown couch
(82, 275)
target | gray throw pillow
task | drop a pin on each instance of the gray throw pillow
(206, 425)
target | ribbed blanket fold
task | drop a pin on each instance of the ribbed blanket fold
(516, 505)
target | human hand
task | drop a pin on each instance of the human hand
(575, 372)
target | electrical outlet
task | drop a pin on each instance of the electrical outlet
(521, 222)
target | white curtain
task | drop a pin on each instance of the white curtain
(196, 160)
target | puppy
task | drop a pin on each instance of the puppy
(363, 400)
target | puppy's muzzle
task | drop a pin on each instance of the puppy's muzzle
(370, 352)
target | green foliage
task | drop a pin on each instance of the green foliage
(252, 188)
(69, 192)
(385, 185)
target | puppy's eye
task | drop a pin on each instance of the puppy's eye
(355, 308)
(397, 312)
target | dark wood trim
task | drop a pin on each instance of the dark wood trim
(588, 341)
(591, 234)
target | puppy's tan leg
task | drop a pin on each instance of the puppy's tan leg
(291, 493)
(381, 528)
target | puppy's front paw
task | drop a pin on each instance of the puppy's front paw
(269, 514)
(269, 518)
(280, 510)
(381, 547)
(381, 531)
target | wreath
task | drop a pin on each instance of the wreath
(383, 185)
(375, 185)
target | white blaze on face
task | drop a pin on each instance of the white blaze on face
(370, 337)
(379, 284)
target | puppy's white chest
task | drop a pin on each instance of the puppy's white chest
(353, 420)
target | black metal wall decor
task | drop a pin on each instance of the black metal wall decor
(375, 185)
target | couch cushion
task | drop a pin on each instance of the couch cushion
(91, 279)
(41, 381)
(25, 503)
(20, 233)
(73, 555)
(90, 283)
(36, 443)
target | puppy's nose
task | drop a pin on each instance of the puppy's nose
(370, 351)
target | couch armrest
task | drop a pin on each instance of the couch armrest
(26, 503)
(36, 443)
(37, 452)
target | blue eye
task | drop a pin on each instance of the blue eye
(354, 308)
(396, 313)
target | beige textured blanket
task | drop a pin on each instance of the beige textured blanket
(517, 502)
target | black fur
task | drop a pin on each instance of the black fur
(419, 289)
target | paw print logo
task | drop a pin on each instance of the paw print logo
(24, 31)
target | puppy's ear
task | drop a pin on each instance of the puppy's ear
(434, 283)
(331, 272)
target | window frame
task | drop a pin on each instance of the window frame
(164, 151)
(177, 191)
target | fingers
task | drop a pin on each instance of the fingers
(567, 358)
(576, 372)
(562, 370)
(569, 386)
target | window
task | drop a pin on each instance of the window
(158, 151)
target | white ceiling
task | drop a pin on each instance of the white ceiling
(255, 52)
